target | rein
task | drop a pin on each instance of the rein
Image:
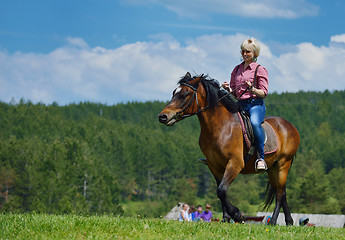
(180, 116)
(229, 93)
(255, 83)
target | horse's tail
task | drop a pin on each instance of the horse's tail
(270, 194)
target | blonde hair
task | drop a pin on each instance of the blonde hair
(253, 45)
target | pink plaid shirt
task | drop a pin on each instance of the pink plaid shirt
(240, 77)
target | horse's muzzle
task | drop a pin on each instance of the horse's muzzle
(165, 119)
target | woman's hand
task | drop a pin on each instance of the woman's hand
(250, 86)
(255, 91)
(226, 86)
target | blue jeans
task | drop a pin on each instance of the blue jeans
(256, 109)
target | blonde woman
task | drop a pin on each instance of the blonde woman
(251, 92)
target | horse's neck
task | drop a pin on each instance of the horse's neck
(212, 121)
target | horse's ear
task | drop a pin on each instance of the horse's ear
(188, 75)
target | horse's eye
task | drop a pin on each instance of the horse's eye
(185, 94)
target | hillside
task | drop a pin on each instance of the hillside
(94, 158)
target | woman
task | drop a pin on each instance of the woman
(251, 93)
(183, 217)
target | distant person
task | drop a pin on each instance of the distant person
(197, 213)
(184, 213)
(191, 214)
(207, 214)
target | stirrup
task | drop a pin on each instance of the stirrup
(260, 169)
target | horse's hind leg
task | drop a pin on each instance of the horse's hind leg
(287, 213)
(281, 202)
(277, 177)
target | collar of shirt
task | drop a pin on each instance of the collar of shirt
(252, 65)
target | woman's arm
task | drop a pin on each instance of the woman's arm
(257, 92)
(262, 83)
(183, 216)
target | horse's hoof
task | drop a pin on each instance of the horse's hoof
(272, 222)
(239, 217)
(289, 223)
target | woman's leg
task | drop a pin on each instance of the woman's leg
(257, 115)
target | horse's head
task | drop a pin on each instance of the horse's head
(188, 99)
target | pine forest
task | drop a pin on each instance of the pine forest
(92, 158)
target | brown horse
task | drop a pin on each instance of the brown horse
(222, 142)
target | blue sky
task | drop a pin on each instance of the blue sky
(113, 51)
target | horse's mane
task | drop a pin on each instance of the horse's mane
(213, 92)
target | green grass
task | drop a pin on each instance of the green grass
(44, 226)
(154, 209)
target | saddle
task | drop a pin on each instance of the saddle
(271, 140)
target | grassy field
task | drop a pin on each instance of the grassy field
(44, 226)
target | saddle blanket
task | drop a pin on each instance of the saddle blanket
(271, 141)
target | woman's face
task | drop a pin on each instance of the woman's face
(247, 55)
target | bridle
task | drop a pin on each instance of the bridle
(179, 116)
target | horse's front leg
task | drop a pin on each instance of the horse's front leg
(226, 216)
(228, 209)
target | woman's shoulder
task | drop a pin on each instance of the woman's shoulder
(237, 67)
(261, 69)
(254, 65)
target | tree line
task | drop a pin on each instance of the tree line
(94, 158)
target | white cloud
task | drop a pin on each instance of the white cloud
(309, 68)
(77, 42)
(338, 38)
(249, 8)
(150, 70)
